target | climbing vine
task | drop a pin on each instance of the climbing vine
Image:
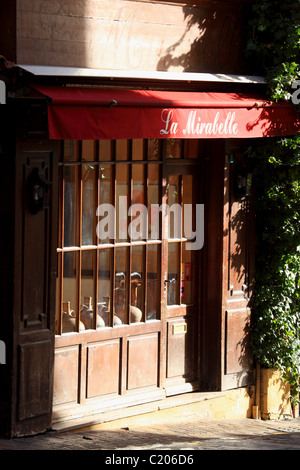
(274, 40)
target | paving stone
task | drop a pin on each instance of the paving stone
(191, 435)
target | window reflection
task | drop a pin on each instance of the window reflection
(138, 149)
(175, 211)
(121, 149)
(105, 231)
(136, 309)
(88, 313)
(122, 193)
(153, 291)
(105, 147)
(88, 150)
(104, 286)
(153, 202)
(173, 274)
(153, 149)
(88, 205)
(70, 150)
(71, 179)
(70, 297)
(173, 148)
(121, 280)
(186, 284)
(138, 219)
(109, 280)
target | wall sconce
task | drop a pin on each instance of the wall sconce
(38, 192)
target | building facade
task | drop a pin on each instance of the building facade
(128, 250)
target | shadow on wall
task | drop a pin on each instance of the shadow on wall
(218, 46)
(133, 35)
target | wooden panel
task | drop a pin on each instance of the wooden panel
(66, 375)
(238, 358)
(34, 296)
(103, 368)
(34, 274)
(180, 347)
(238, 248)
(34, 382)
(34, 234)
(124, 34)
(238, 253)
(239, 230)
(142, 361)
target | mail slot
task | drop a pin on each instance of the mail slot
(179, 329)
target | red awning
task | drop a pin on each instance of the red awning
(95, 113)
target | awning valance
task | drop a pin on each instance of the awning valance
(95, 113)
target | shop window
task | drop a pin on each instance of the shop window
(109, 261)
(181, 190)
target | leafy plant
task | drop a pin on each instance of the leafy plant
(275, 41)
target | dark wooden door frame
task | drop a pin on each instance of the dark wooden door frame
(34, 299)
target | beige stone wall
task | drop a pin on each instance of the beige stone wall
(274, 395)
(130, 34)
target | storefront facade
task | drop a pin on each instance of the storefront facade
(130, 271)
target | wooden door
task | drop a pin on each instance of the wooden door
(34, 283)
(184, 236)
(108, 356)
(108, 317)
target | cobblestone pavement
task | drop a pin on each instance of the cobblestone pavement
(185, 436)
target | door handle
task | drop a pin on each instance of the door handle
(170, 280)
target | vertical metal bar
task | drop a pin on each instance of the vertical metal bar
(113, 256)
(145, 253)
(180, 193)
(145, 290)
(82, 383)
(61, 265)
(160, 278)
(79, 234)
(95, 251)
(96, 150)
(129, 150)
(145, 250)
(128, 258)
(146, 190)
(163, 270)
(129, 251)
(94, 257)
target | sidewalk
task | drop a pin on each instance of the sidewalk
(187, 435)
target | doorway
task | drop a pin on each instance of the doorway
(128, 302)
(184, 221)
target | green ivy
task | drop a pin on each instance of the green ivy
(275, 42)
(275, 336)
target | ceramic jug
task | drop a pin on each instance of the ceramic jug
(69, 319)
